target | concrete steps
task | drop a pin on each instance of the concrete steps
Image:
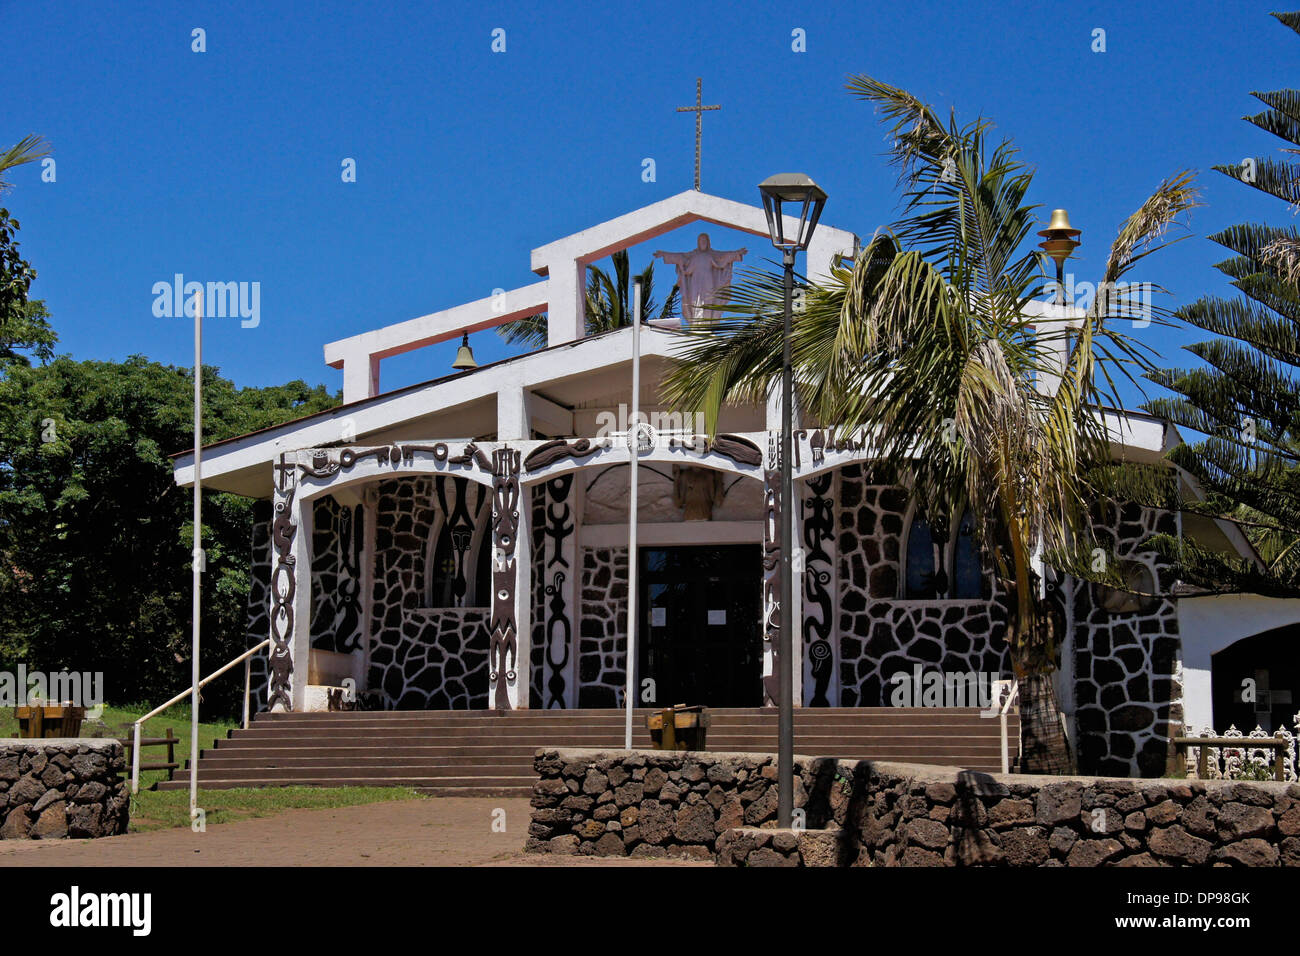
(490, 753)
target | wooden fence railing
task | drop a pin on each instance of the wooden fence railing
(170, 742)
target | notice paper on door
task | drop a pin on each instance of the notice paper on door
(658, 617)
(717, 617)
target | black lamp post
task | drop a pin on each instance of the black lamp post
(801, 196)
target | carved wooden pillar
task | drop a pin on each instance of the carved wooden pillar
(560, 575)
(283, 592)
(820, 645)
(509, 556)
(774, 616)
(771, 569)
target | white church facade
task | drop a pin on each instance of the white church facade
(463, 543)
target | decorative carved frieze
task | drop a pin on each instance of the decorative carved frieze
(738, 449)
(550, 452)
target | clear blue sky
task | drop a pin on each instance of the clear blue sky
(225, 165)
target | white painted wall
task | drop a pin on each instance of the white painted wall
(1209, 624)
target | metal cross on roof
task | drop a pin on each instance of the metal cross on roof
(698, 109)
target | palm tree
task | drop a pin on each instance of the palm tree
(923, 338)
(608, 304)
(27, 150)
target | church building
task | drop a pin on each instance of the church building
(462, 543)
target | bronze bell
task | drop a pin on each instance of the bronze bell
(464, 356)
(1059, 238)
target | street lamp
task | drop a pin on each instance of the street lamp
(801, 196)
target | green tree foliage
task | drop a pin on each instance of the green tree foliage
(94, 533)
(609, 304)
(24, 323)
(1244, 400)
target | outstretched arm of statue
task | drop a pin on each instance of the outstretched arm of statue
(672, 258)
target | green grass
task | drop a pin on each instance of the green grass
(164, 809)
(157, 810)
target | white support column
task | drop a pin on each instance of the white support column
(513, 419)
(360, 377)
(305, 521)
(566, 319)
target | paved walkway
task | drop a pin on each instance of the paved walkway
(446, 831)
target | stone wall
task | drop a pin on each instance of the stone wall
(338, 532)
(62, 787)
(1127, 666)
(881, 635)
(420, 658)
(655, 804)
(602, 629)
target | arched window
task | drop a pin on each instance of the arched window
(458, 573)
(941, 561)
(921, 565)
(442, 584)
(967, 578)
(483, 573)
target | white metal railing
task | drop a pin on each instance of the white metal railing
(1234, 763)
(1007, 694)
(246, 657)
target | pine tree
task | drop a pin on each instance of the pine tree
(1245, 399)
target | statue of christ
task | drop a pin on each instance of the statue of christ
(700, 274)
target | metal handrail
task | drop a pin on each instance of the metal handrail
(246, 657)
(1013, 697)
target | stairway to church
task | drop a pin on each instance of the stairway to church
(490, 753)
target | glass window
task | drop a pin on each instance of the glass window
(920, 560)
(967, 581)
(443, 579)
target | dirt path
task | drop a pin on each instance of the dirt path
(448, 831)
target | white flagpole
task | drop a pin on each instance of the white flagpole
(634, 443)
(196, 557)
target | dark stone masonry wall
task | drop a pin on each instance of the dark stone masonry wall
(602, 640)
(1128, 690)
(881, 635)
(420, 659)
(698, 805)
(338, 533)
(69, 787)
